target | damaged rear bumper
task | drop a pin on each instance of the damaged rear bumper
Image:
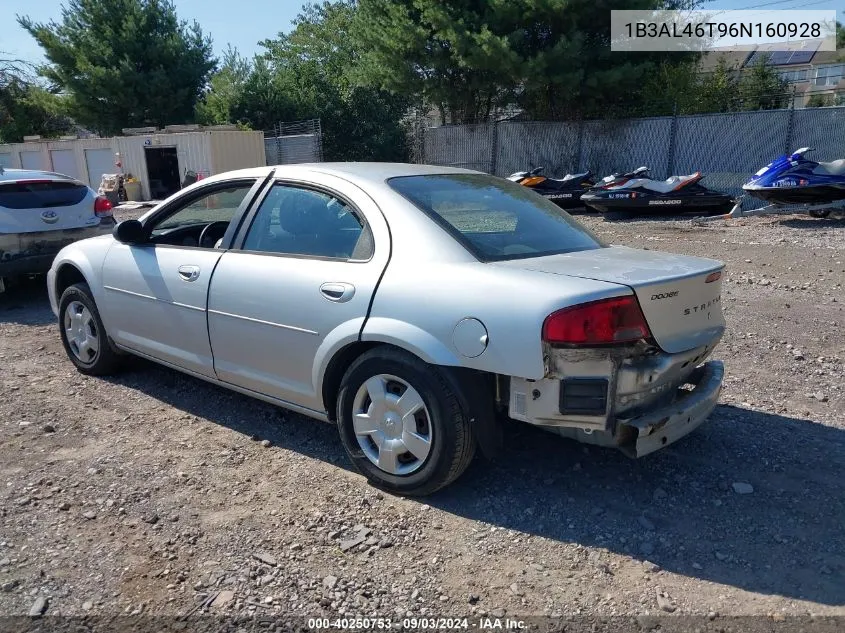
(33, 253)
(637, 399)
(686, 413)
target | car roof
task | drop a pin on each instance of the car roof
(379, 172)
(361, 171)
(30, 174)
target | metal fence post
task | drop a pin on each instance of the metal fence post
(277, 132)
(790, 123)
(579, 156)
(494, 148)
(419, 138)
(673, 132)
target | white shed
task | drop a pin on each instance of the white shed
(158, 159)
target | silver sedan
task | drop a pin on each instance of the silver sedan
(416, 307)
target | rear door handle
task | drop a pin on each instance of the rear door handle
(338, 292)
(189, 273)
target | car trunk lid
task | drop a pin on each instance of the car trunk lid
(680, 295)
(45, 204)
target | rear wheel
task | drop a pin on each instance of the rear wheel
(402, 423)
(83, 334)
(820, 213)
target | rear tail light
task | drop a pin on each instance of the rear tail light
(102, 207)
(604, 322)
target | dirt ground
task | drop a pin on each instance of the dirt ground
(153, 492)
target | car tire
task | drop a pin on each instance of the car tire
(83, 334)
(437, 417)
(820, 213)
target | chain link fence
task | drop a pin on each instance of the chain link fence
(726, 147)
(294, 142)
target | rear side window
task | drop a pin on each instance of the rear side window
(41, 194)
(296, 221)
(493, 218)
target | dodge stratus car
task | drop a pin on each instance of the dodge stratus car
(417, 307)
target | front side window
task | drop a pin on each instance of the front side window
(296, 221)
(220, 205)
(493, 218)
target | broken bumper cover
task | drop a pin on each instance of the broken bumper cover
(660, 427)
(33, 253)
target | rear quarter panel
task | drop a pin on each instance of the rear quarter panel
(418, 307)
(432, 282)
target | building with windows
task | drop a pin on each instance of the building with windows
(817, 77)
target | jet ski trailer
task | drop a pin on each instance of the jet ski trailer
(821, 210)
(793, 185)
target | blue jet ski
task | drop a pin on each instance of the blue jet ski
(797, 180)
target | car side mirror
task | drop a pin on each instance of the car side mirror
(129, 232)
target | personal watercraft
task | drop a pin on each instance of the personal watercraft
(617, 178)
(797, 180)
(565, 192)
(679, 194)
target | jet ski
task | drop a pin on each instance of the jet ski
(617, 178)
(797, 180)
(565, 192)
(680, 194)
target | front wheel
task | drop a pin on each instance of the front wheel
(402, 423)
(83, 335)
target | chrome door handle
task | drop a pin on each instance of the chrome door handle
(189, 273)
(337, 291)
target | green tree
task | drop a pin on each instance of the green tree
(820, 101)
(466, 57)
(125, 62)
(225, 89)
(670, 89)
(717, 91)
(443, 54)
(310, 73)
(27, 107)
(762, 88)
(264, 99)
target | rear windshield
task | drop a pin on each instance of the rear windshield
(493, 218)
(37, 195)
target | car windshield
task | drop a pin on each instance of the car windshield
(493, 218)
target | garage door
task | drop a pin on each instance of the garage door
(99, 162)
(6, 159)
(64, 162)
(31, 160)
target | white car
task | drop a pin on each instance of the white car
(41, 212)
(415, 306)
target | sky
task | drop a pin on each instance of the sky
(260, 19)
(253, 20)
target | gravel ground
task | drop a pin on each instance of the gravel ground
(155, 493)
